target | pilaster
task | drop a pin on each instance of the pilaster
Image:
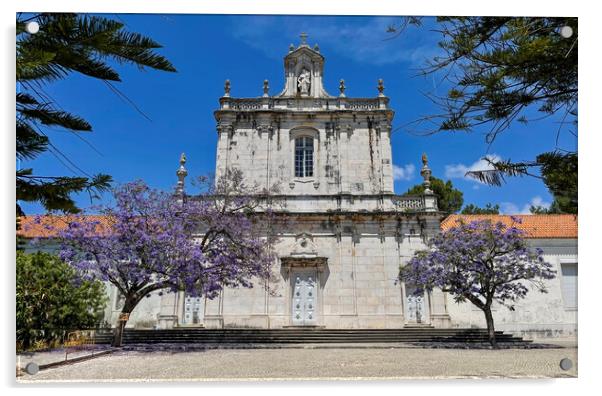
(168, 313)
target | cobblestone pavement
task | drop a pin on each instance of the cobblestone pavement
(57, 355)
(253, 364)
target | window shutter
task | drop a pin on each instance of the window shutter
(569, 284)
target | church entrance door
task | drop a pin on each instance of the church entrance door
(416, 308)
(304, 298)
(193, 310)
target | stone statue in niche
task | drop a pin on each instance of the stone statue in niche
(304, 82)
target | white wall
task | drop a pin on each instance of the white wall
(539, 314)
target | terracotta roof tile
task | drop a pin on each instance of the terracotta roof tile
(535, 226)
(48, 226)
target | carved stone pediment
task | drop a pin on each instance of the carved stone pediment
(304, 246)
(304, 70)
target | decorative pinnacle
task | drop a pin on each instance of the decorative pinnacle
(182, 170)
(425, 172)
(342, 88)
(303, 36)
(227, 88)
(291, 47)
(381, 87)
(266, 88)
(181, 173)
(316, 47)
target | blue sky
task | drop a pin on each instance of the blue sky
(208, 49)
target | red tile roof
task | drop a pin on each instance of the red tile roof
(48, 226)
(535, 226)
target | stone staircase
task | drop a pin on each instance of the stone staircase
(307, 336)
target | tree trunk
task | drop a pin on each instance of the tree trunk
(128, 307)
(118, 333)
(490, 327)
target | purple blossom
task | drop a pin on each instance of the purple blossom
(480, 262)
(152, 241)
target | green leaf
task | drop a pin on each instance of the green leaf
(29, 142)
(68, 43)
(54, 193)
(48, 116)
(51, 300)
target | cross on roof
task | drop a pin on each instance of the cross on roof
(303, 38)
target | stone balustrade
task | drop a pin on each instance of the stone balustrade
(306, 104)
(348, 203)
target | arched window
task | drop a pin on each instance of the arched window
(304, 156)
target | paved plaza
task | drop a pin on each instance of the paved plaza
(347, 363)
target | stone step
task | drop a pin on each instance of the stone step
(323, 331)
(316, 340)
(311, 335)
(299, 336)
(310, 338)
(367, 336)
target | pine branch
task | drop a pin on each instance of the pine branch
(29, 143)
(45, 115)
(54, 193)
(68, 43)
(495, 176)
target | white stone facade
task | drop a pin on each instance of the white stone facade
(347, 232)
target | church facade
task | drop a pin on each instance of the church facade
(346, 233)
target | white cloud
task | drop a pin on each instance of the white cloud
(509, 208)
(458, 171)
(405, 172)
(538, 201)
(512, 208)
(363, 39)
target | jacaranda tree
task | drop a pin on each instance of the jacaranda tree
(154, 241)
(481, 262)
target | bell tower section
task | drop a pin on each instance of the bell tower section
(307, 143)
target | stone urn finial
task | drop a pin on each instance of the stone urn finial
(227, 88)
(381, 87)
(342, 88)
(266, 88)
(425, 172)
